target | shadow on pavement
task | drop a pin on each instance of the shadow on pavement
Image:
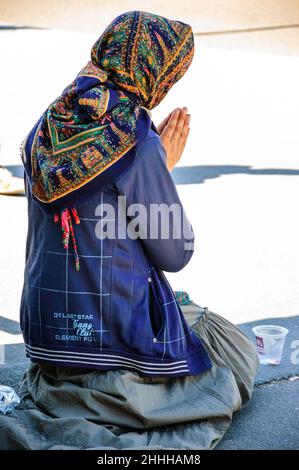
(201, 173)
(9, 326)
(17, 170)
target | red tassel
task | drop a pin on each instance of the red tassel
(68, 230)
(75, 215)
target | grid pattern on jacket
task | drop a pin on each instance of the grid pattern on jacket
(98, 264)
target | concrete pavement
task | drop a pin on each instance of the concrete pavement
(207, 16)
(269, 421)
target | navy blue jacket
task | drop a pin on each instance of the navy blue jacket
(118, 311)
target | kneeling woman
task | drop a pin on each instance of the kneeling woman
(118, 360)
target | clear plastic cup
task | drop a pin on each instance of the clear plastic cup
(270, 341)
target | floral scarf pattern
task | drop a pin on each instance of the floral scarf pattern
(99, 117)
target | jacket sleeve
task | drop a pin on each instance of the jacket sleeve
(152, 197)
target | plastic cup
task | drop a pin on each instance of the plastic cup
(270, 341)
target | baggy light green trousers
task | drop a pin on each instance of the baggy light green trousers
(70, 408)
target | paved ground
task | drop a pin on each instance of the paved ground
(270, 420)
(238, 180)
(206, 16)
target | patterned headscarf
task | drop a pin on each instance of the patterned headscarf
(89, 134)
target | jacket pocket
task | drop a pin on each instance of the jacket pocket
(157, 319)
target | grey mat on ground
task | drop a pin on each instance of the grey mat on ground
(11, 375)
(269, 421)
(286, 368)
(10, 326)
(13, 354)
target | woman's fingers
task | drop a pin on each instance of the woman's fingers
(184, 139)
(162, 125)
(184, 134)
(180, 125)
(171, 126)
(175, 134)
(185, 126)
